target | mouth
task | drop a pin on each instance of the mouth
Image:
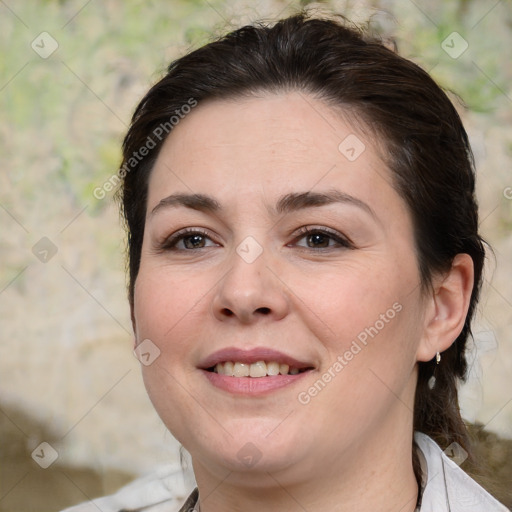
(256, 362)
(253, 372)
(256, 370)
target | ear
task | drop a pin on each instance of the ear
(446, 308)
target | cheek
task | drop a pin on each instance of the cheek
(162, 301)
(165, 311)
(346, 300)
(368, 319)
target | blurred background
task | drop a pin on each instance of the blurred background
(71, 73)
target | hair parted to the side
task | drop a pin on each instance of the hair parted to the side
(425, 147)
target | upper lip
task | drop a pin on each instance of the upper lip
(252, 356)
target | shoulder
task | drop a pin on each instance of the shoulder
(162, 490)
(448, 487)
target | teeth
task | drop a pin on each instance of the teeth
(241, 370)
(258, 369)
(228, 368)
(283, 369)
(272, 368)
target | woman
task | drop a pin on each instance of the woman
(304, 265)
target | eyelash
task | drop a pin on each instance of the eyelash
(170, 243)
(341, 240)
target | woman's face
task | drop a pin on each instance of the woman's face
(273, 233)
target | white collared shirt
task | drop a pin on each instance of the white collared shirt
(446, 488)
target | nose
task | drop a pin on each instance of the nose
(250, 292)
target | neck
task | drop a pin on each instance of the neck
(375, 474)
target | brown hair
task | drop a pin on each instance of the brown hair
(426, 149)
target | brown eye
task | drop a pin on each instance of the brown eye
(194, 241)
(188, 240)
(318, 240)
(321, 239)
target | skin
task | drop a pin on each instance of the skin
(353, 439)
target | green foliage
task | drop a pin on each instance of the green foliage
(75, 105)
(477, 75)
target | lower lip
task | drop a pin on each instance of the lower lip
(252, 385)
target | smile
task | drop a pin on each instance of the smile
(255, 370)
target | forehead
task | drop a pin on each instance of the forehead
(268, 145)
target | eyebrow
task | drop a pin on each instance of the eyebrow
(288, 203)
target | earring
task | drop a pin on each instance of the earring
(432, 380)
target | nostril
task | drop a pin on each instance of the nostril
(243, 314)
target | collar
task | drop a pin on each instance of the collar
(445, 486)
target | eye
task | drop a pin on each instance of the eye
(321, 238)
(188, 239)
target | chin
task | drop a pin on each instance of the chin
(252, 449)
(250, 460)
